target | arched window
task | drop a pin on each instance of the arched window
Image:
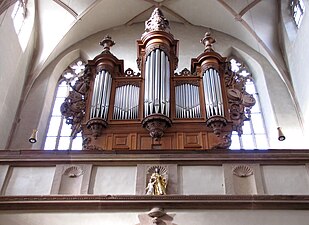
(254, 132)
(297, 11)
(19, 14)
(59, 133)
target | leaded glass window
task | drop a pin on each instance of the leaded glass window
(253, 132)
(59, 132)
(19, 14)
(297, 11)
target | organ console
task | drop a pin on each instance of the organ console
(157, 108)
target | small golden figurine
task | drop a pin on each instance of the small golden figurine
(157, 184)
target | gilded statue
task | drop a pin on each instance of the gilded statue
(157, 184)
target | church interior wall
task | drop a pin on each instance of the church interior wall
(180, 217)
(296, 54)
(222, 179)
(16, 56)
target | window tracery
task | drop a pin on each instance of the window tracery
(253, 134)
(297, 10)
(59, 130)
(19, 14)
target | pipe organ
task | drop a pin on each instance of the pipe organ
(126, 102)
(157, 83)
(157, 108)
(101, 95)
(213, 93)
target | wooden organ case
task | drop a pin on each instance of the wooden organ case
(157, 108)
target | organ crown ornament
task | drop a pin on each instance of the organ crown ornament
(156, 22)
(157, 108)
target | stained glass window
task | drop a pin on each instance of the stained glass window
(59, 133)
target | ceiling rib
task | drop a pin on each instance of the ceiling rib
(66, 7)
(282, 68)
(5, 5)
(248, 7)
(176, 15)
(131, 21)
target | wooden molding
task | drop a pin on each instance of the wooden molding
(99, 202)
(127, 157)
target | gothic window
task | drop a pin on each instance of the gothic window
(254, 133)
(59, 133)
(297, 11)
(19, 14)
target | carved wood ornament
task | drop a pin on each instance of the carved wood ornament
(157, 107)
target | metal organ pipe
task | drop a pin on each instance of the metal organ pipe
(187, 101)
(126, 102)
(157, 83)
(213, 93)
(101, 95)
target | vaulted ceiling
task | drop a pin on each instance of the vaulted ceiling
(61, 23)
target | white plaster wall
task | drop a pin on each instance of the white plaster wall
(296, 49)
(115, 180)
(182, 217)
(241, 217)
(201, 180)
(290, 180)
(15, 58)
(30, 181)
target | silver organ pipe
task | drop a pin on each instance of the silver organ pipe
(213, 93)
(101, 95)
(187, 101)
(157, 83)
(126, 102)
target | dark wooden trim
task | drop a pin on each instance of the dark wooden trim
(126, 157)
(98, 202)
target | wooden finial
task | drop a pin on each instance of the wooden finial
(107, 43)
(208, 41)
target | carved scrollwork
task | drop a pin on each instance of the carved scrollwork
(225, 142)
(130, 73)
(122, 83)
(73, 108)
(216, 123)
(96, 126)
(239, 101)
(156, 124)
(158, 46)
(185, 73)
(192, 82)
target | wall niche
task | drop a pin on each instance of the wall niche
(71, 179)
(243, 179)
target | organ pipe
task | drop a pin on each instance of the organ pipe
(126, 102)
(212, 93)
(157, 83)
(187, 101)
(101, 95)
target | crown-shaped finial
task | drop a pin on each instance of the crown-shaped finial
(208, 41)
(156, 22)
(107, 43)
